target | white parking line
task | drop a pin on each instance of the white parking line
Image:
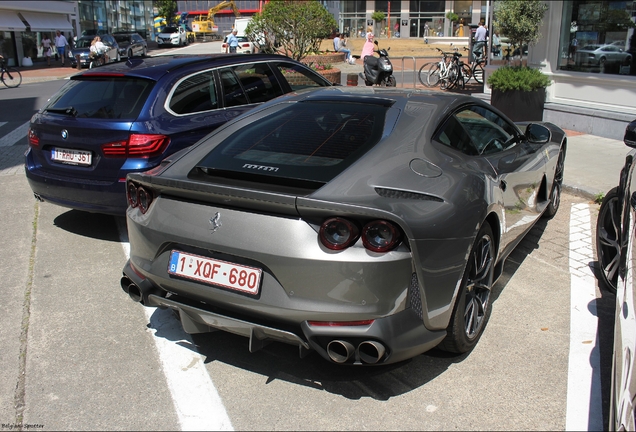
(15, 135)
(584, 404)
(197, 403)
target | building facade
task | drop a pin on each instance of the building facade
(587, 47)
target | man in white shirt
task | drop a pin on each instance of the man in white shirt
(60, 45)
(480, 41)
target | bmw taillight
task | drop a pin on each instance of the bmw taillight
(381, 236)
(34, 140)
(137, 145)
(338, 233)
(139, 196)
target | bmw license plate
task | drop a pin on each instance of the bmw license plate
(73, 157)
(215, 272)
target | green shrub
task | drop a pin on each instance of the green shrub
(518, 78)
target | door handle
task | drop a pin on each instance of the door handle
(503, 185)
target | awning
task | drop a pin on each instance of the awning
(46, 22)
(11, 22)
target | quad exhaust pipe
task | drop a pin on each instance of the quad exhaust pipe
(340, 351)
(131, 289)
(369, 352)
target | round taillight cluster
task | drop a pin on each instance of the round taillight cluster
(139, 196)
(377, 236)
(380, 236)
(338, 233)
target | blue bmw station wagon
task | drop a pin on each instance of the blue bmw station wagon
(127, 117)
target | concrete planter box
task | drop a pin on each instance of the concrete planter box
(519, 105)
(333, 75)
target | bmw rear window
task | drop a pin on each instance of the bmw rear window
(306, 141)
(106, 97)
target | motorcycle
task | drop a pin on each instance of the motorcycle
(378, 71)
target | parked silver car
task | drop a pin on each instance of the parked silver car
(366, 224)
(602, 54)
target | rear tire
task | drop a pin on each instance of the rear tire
(608, 234)
(478, 72)
(11, 77)
(472, 306)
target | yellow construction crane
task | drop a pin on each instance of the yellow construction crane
(205, 24)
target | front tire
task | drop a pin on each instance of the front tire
(557, 186)
(472, 307)
(391, 82)
(608, 234)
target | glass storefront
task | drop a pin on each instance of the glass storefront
(353, 18)
(108, 16)
(598, 37)
(426, 18)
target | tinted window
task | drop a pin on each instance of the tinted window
(476, 131)
(104, 97)
(233, 94)
(299, 77)
(170, 30)
(257, 81)
(193, 94)
(306, 141)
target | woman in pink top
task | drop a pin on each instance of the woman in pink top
(367, 49)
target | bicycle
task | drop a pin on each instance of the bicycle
(438, 73)
(9, 76)
(476, 67)
(96, 61)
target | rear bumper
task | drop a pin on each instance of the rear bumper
(400, 336)
(91, 196)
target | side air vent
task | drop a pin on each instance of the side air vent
(394, 193)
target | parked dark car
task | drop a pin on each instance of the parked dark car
(127, 117)
(366, 224)
(83, 45)
(616, 252)
(131, 45)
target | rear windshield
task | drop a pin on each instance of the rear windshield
(103, 97)
(307, 141)
(83, 43)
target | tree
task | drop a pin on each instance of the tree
(294, 27)
(519, 20)
(167, 9)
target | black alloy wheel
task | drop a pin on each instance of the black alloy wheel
(472, 307)
(608, 240)
(557, 186)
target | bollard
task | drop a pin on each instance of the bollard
(79, 64)
(352, 79)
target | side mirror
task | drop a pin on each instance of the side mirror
(630, 135)
(537, 134)
(375, 42)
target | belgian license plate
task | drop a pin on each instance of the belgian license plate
(74, 157)
(214, 272)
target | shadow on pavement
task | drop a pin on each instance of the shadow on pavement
(92, 225)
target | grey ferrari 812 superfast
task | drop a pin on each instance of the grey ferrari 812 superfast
(366, 224)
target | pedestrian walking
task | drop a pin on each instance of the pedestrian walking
(60, 45)
(46, 48)
(232, 41)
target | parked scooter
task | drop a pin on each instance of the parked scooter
(378, 71)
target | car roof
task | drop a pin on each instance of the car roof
(155, 67)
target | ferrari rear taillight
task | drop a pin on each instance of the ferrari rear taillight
(380, 236)
(338, 233)
(139, 196)
(34, 141)
(137, 145)
(377, 236)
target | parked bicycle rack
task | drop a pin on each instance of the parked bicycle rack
(415, 69)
